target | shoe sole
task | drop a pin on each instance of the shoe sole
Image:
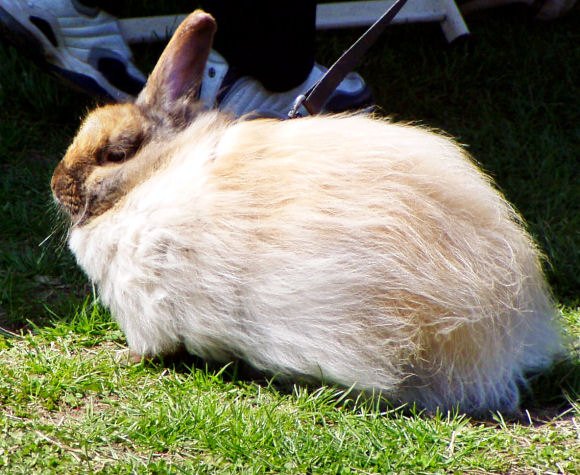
(56, 60)
(362, 101)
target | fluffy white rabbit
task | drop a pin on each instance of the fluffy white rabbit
(346, 249)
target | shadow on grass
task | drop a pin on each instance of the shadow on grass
(549, 397)
(552, 393)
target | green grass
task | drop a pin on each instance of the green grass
(70, 404)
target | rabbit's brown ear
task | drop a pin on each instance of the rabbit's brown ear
(179, 71)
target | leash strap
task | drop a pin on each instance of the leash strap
(315, 98)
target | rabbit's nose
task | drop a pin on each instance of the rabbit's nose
(66, 189)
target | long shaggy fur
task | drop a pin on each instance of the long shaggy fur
(346, 249)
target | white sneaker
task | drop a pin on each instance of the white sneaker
(79, 44)
(222, 87)
(84, 47)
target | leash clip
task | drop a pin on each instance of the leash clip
(294, 114)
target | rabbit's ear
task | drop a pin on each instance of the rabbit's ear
(179, 71)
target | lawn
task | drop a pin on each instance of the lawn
(70, 403)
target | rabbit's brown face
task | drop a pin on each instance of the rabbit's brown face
(91, 177)
(94, 174)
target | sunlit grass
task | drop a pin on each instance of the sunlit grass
(69, 402)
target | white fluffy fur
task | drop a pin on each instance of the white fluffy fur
(346, 249)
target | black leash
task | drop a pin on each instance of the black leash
(314, 99)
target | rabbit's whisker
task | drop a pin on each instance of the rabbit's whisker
(46, 239)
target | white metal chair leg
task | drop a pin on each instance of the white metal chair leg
(328, 16)
(453, 25)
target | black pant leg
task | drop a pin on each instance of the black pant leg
(270, 40)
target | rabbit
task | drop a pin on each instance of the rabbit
(345, 249)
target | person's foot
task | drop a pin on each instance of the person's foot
(84, 47)
(223, 88)
(81, 45)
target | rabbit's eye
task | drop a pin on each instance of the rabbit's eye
(114, 156)
(122, 149)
